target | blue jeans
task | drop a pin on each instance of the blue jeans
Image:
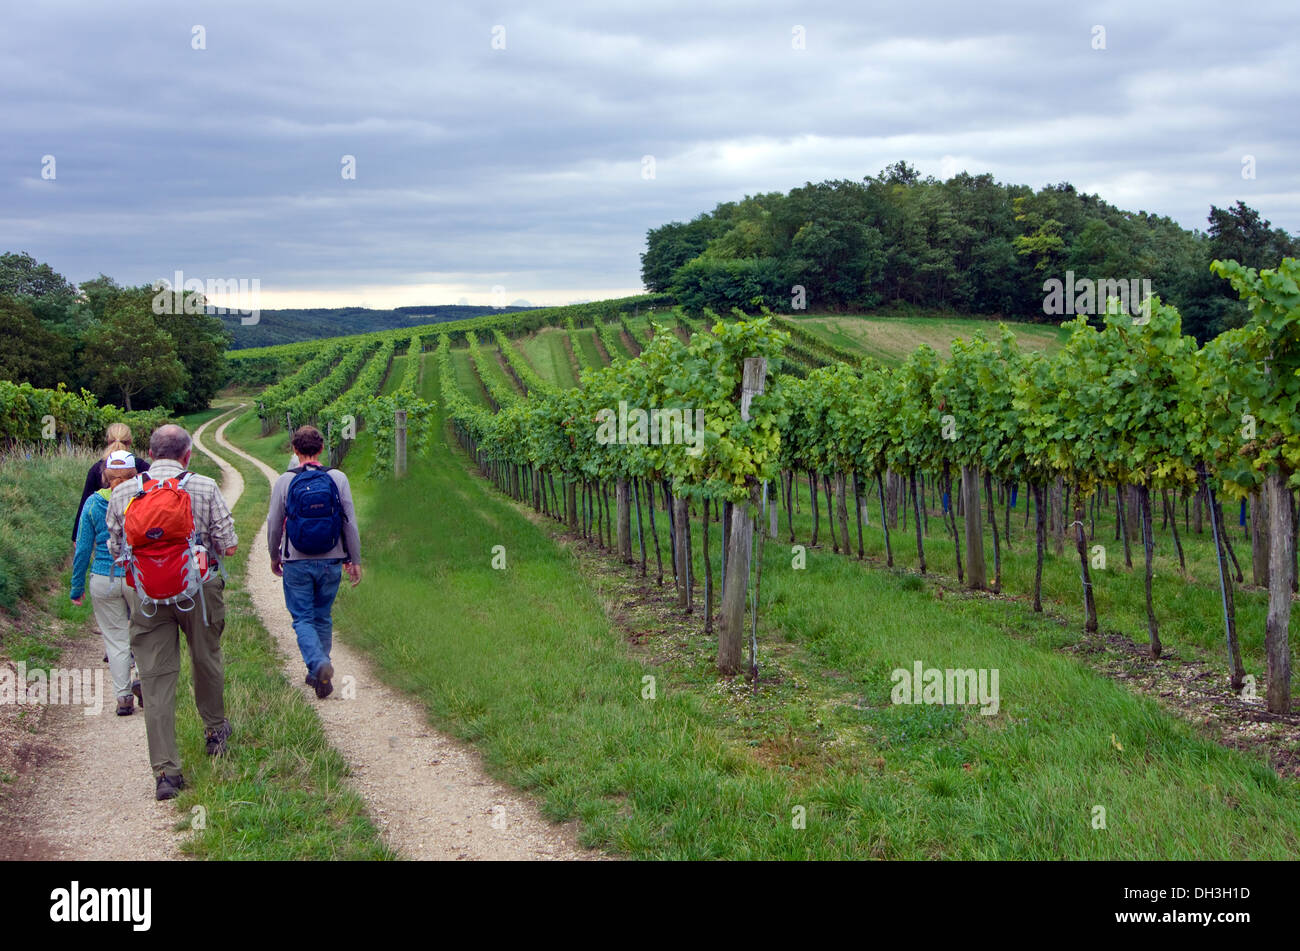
(309, 589)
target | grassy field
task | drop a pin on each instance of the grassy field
(543, 667)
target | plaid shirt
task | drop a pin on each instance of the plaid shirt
(212, 519)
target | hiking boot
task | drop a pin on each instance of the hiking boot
(310, 681)
(139, 693)
(169, 786)
(324, 674)
(125, 706)
(216, 739)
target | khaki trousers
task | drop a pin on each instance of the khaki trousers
(108, 600)
(156, 643)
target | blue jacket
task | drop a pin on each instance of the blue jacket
(92, 538)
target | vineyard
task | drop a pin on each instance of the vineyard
(1127, 412)
(871, 482)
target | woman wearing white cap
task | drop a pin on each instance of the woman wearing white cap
(107, 584)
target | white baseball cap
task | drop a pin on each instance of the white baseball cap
(119, 459)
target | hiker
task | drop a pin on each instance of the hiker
(115, 433)
(107, 581)
(311, 532)
(171, 529)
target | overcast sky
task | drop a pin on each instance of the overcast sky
(524, 166)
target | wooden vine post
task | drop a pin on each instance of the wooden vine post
(976, 573)
(739, 546)
(623, 520)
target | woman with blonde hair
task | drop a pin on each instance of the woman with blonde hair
(117, 436)
(107, 581)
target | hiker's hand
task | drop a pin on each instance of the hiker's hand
(77, 601)
(277, 569)
(230, 551)
(354, 572)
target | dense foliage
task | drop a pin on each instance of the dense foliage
(969, 244)
(108, 339)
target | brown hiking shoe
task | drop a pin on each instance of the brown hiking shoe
(125, 706)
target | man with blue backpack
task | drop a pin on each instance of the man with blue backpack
(311, 532)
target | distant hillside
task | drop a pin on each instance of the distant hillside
(293, 324)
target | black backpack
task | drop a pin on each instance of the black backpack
(313, 511)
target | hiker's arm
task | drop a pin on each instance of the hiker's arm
(81, 559)
(351, 536)
(222, 526)
(93, 476)
(275, 523)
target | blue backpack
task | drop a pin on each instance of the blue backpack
(313, 512)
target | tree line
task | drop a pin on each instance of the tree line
(107, 339)
(969, 244)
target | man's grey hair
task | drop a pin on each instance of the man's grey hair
(169, 442)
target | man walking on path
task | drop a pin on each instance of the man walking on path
(311, 532)
(155, 629)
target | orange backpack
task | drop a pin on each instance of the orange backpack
(165, 562)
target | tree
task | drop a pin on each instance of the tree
(128, 353)
(98, 293)
(670, 246)
(32, 353)
(47, 293)
(21, 276)
(203, 341)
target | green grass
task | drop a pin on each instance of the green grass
(545, 350)
(524, 664)
(1188, 609)
(466, 377)
(585, 339)
(246, 432)
(280, 793)
(39, 492)
(193, 421)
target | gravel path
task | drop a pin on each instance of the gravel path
(93, 798)
(427, 792)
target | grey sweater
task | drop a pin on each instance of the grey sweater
(275, 535)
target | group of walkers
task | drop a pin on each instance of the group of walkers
(154, 535)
